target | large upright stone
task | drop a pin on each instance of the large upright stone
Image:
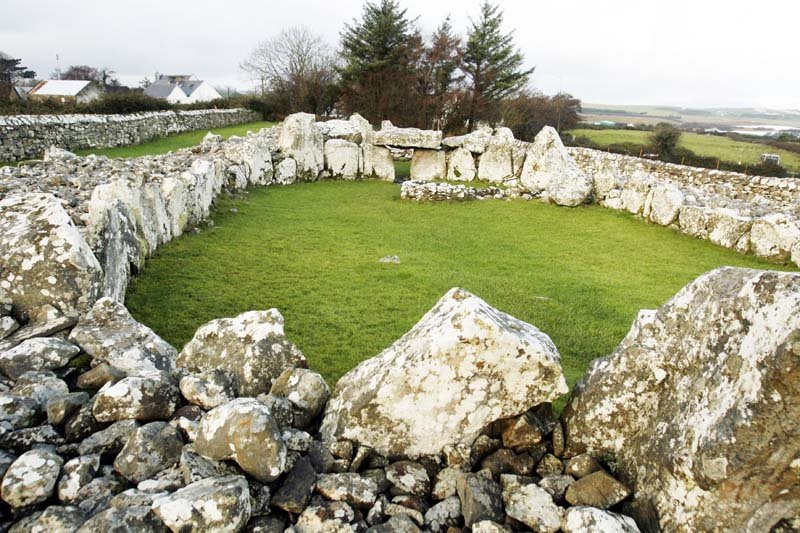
(460, 165)
(378, 162)
(303, 141)
(110, 334)
(45, 259)
(408, 138)
(428, 165)
(111, 232)
(250, 347)
(774, 235)
(496, 165)
(343, 159)
(549, 170)
(463, 366)
(699, 406)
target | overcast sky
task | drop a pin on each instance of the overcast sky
(676, 52)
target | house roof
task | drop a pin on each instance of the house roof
(191, 86)
(60, 87)
(160, 89)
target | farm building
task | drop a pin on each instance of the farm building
(65, 90)
(181, 89)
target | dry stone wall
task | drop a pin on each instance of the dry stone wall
(28, 136)
(691, 424)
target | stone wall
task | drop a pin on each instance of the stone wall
(28, 136)
(692, 423)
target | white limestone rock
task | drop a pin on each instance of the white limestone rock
(698, 407)
(496, 165)
(111, 232)
(461, 367)
(286, 172)
(428, 165)
(408, 138)
(774, 235)
(111, 335)
(474, 142)
(253, 157)
(208, 389)
(583, 519)
(460, 165)
(39, 353)
(551, 172)
(136, 398)
(77, 473)
(301, 140)
(727, 227)
(46, 260)
(251, 347)
(220, 504)
(306, 390)
(636, 194)
(378, 162)
(150, 449)
(347, 130)
(243, 431)
(533, 506)
(343, 159)
(665, 204)
(694, 220)
(31, 478)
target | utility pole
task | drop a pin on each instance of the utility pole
(58, 67)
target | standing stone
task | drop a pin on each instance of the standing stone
(496, 165)
(774, 235)
(286, 172)
(41, 353)
(46, 260)
(343, 159)
(301, 140)
(378, 162)
(220, 504)
(110, 334)
(111, 232)
(709, 433)
(460, 165)
(250, 347)
(31, 478)
(243, 430)
(462, 367)
(550, 171)
(428, 165)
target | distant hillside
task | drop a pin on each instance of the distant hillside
(720, 117)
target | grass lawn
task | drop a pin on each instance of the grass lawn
(174, 142)
(163, 145)
(717, 146)
(312, 250)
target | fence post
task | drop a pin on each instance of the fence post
(717, 164)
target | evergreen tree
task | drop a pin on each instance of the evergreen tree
(10, 72)
(492, 63)
(378, 56)
(439, 75)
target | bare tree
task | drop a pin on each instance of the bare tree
(296, 68)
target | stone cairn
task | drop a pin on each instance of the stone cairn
(692, 424)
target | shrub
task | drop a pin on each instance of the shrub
(124, 103)
(664, 140)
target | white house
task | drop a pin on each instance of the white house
(64, 90)
(181, 89)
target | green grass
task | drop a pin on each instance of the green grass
(312, 250)
(717, 146)
(174, 142)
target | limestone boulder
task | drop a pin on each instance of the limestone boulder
(665, 204)
(306, 390)
(774, 235)
(729, 228)
(463, 366)
(253, 159)
(250, 347)
(150, 449)
(39, 353)
(364, 127)
(286, 172)
(408, 138)
(301, 140)
(496, 163)
(636, 194)
(343, 159)
(698, 407)
(31, 478)
(428, 165)
(46, 260)
(111, 335)
(346, 130)
(460, 165)
(378, 162)
(244, 431)
(582, 519)
(474, 142)
(219, 504)
(111, 233)
(136, 398)
(550, 171)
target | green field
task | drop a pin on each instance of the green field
(311, 250)
(704, 145)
